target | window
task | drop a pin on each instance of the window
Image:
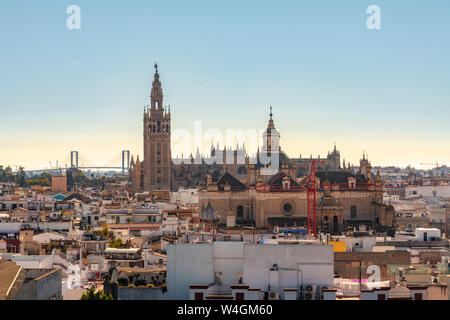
(240, 211)
(239, 296)
(418, 296)
(199, 296)
(353, 212)
(381, 296)
(287, 207)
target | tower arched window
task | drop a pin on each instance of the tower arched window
(159, 126)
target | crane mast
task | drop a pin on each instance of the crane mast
(311, 189)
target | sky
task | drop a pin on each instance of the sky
(328, 77)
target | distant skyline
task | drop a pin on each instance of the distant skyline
(329, 79)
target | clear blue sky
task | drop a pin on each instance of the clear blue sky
(328, 77)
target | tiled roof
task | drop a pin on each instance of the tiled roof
(234, 183)
(11, 279)
(338, 177)
(276, 181)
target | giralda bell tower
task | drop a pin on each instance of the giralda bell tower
(157, 153)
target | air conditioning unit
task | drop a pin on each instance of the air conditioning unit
(309, 295)
(261, 295)
(311, 292)
(273, 295)
(309, 288)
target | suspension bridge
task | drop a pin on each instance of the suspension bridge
(75, 160)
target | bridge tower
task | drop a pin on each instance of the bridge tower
(125, 163)
(72, 158)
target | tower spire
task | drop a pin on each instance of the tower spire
(156, 95)
(271, 125)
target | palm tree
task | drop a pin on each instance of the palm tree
(91, 294)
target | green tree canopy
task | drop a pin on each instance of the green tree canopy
(91, 294)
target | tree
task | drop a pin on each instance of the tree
(91, 294)
(6, 174)
(70, 181)
(117, 243)
(21, 177)
(123, 282)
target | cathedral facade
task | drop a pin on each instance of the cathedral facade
(276, 197)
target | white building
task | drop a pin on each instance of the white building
(47, 237)
(428, 191)
(428, 234)
(218, 268)
(185, 197)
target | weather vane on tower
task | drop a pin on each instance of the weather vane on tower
(156, 67)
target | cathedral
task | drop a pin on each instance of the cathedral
(159, 171)
(264, 191)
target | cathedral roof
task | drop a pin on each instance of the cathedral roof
(276, 181)
(340, 176)
(233, 182)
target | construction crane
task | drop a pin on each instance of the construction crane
(433, 164)
(54, 168)
(311, 188)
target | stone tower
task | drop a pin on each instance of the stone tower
(271, 138)
(157, 152)
(270, 153)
